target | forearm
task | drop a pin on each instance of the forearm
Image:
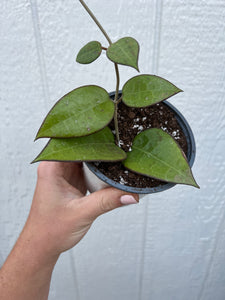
(27, 271)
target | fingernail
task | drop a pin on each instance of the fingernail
(128, 199)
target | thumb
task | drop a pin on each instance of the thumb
(106, 200)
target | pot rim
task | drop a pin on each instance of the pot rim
(191, 152)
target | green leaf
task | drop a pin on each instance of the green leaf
(156, 154)
(89, 53)
(125, 52)
(146, 90)
(81, 112)
(99, 146)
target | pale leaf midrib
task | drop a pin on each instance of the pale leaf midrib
(141, 92)
(156, 158)
(129, 58)
(71, 117)
(76, 145)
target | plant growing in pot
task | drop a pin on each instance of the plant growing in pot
(127, 137)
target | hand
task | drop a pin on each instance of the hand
(60, 216)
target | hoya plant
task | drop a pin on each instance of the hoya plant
(77, 125)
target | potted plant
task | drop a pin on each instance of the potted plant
(121, 134)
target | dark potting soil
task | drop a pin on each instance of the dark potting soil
(132, 121)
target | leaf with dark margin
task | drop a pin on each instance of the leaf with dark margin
(146, 90)
(125, 52)
(99, 146)
(81, 112)
(156, 154)
(89, 53)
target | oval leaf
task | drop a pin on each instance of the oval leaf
(99, 146)
(156, 154)
(89, 53)
(146, 90)
(81, 112)
(125, 52)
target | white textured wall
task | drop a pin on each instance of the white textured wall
(172, 245)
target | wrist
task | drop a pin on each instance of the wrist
(36, 248)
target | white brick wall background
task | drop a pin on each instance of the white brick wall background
(172, 245)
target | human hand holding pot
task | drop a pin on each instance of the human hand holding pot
(60, 208)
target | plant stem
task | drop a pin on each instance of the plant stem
(96, 21)
(116, 100)
(116, 124)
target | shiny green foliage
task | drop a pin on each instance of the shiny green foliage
(77, 123)
(89, 53)
(94, 147)
(156, 154)
(146, 90)
(81, 112)
(125, 52)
